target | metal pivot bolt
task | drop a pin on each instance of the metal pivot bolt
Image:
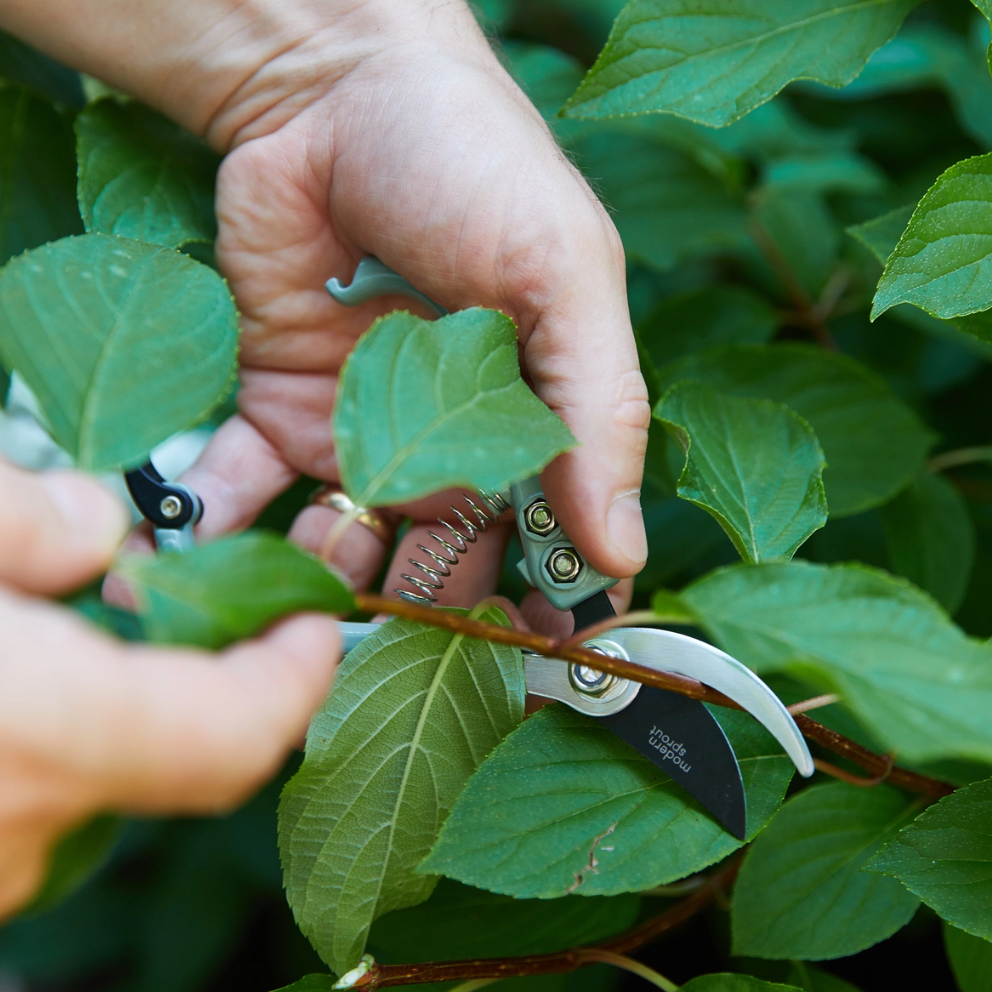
(590, 681)
(564, 565)
(539, 519)
(171, 507)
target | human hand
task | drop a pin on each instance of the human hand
(89, 724)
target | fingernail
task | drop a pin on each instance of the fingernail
(625, 525)
(88, 510)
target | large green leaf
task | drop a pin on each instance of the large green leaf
(563, 805)
(413, 712)
(714, 60)
(667, 207)
(931, 538)
(874, 444)
(461, 922)
(423, 405)
(143, 177)
(753, 464)
(945, 857)
(123, 343)
(970, 958)
(905, 670)
(37, 172)
(231, 588)
(728, 982)
(943, 261)
(703, 318)
(800, 893)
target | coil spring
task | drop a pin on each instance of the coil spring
(458, 544)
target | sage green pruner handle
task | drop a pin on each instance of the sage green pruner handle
(551, 562)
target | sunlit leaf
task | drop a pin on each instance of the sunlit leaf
(414, 710)
(800, 893)
(426, 405)
(563, 805)
(229, 589)
(715, 60)
(123, 343)
(753, 464)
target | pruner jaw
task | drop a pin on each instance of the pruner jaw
(668, 651)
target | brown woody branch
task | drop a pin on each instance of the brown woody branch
(382, 975)
(875, 764)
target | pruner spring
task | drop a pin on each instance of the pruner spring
(453, 545)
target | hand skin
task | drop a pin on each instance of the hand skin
(385, 127)
(90, 724)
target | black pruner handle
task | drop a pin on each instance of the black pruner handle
(167, 505)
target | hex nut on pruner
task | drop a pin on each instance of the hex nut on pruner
(563, 565)
(539, 518)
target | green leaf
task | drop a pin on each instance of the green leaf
(563, 805)
(734, 983)
(38, 174)
(77, 858)
(667, 208)
(425, 405)
(459, 922)
(230, 589)
(881, 234)
(811, 979)
(839, 171)
(753, 464)
(874, 444)
(970, 958)
(931, 538)
(901, 666)
(123, 343)
(714, 60)
(413, 712)
(943, 261)
(945, 857)
(143, 177)
(800, 893)
(26, 65)
(703, 318)
(312, 983)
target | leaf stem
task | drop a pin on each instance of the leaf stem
(960, 456)
(550, 647)
(599, 956)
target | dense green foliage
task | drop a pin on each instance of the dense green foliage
(803, 189)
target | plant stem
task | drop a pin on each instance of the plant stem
(599, 956)
(551, 647)
(960, 456)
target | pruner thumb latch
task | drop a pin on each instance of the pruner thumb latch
(172, 508)
(679, 735)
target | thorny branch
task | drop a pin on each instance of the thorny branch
(567, 650)
(383, 975)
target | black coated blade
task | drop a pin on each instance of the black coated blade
(679, 735)
(683, 739)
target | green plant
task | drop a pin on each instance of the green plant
(811, 286)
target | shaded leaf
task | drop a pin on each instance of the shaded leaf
(229, 589)
(839, 171)
(811, 979)
(713, 61)
(931, 538)
(455, 411)
(143, 177)
(38, 175)
(564, 806)
(26, 65)
(874, 444)
(906, 671)
(667, 207)
(459, 922)
(123, 343)
(800, 893)
(312, 983)
(703, 318)
(881, 234)
(970, 958)
(945, 857)
(414, 710)
(753, 464)
(943, 261)
(734, 983)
